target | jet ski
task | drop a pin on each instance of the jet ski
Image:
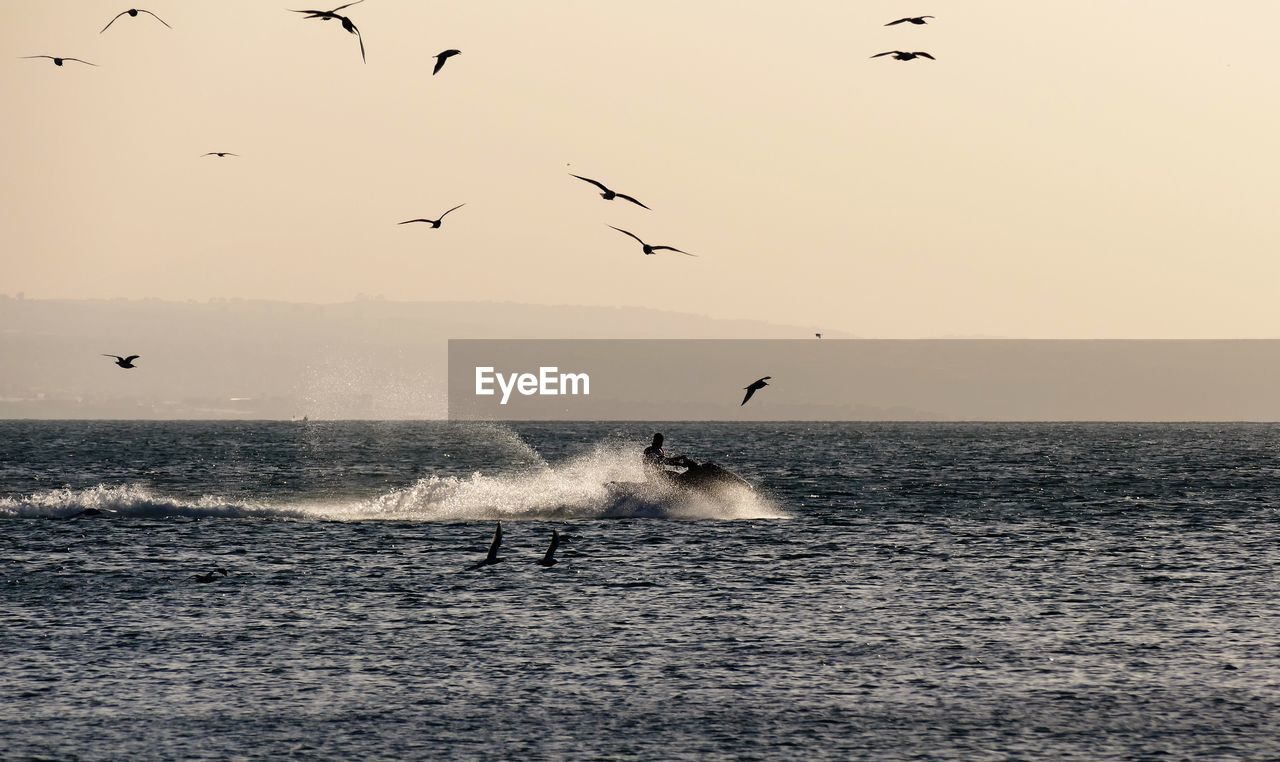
(657, 497)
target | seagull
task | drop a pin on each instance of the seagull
(347, 23)
(917, 20)
(133, 13)
(210, 576)
(440, 59)
(492, 558)
(59, 61)
(434, 223)
(652, 249)
(550, 558)
(608, 195)
(220, 154)
(125, 362)
(902, 55)
(755, 385)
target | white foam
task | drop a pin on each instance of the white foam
(577, 489)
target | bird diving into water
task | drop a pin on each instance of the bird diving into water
(124, 362)
(58, 61)
(917, 20)
(550, 558)
(441, 58)
(903, 55)
(652, 249)
(220, 154)
(755, 386)
(608, 195)
(347, 23)
(133, 13)
(492, 558)
(434, 223)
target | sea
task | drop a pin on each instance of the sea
(885, 591)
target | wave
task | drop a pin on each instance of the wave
(581, 488)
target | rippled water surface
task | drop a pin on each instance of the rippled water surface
(891, 592)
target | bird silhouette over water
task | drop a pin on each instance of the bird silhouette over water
(220, 154)
(492, 558)
(124, 362)
(917, 20)
(818, 335)
(550, 558)
(133, 13)
(434, 223)
(347, 23)
(210, 576)
(58, 60)
(441, 58)
(652, 249)
(755, 386)
(607, 194)
(903, 55)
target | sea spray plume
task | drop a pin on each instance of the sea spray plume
(577, 488)
(492, 558)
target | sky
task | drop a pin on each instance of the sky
(1062, 170)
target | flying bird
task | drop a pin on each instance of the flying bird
(492, 558)
(818, 335)
(347, 23)
(902, 55)
(652, 249)
(434, 223)
(220, 154)
(209, 576)
(755, 386)
(550, 558)
(441, 58)
(57, 61)
(917, 20)
(125, 362)
(133, 13)
(606, 194)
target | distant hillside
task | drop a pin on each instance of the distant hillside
(259, 359)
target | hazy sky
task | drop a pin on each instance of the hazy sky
(1064, 169)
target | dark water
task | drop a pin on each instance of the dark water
(897, 592)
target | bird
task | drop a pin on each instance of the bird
(124, 362)
(917, 20)
(608, 195)
(220, 154)
(133, 13)
(441, 58)
(818, 335)
(210, 576)
(492, 558)
(902, 55)
(652, 249)
(433, 223)
(347, 23)
(550, 558)
(58, 61)
(755, 386)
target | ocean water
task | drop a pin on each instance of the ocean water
(911, 591)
